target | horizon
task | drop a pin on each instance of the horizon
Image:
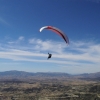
(48, 72)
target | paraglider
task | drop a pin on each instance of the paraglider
(49, 55)
(56, 30)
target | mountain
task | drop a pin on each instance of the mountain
(23, 74)
(16, 73)
(89, 75)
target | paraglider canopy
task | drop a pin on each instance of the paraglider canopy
(56, 30)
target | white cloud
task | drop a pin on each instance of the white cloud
(48, 45)
(80, 54)
(21, 38)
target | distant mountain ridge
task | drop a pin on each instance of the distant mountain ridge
(15, 73)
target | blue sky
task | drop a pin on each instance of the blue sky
(23, 47)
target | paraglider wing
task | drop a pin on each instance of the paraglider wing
(56, 30)
(45, 27)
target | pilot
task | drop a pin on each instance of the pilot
(49, 55)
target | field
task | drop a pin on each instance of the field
(49, 89)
